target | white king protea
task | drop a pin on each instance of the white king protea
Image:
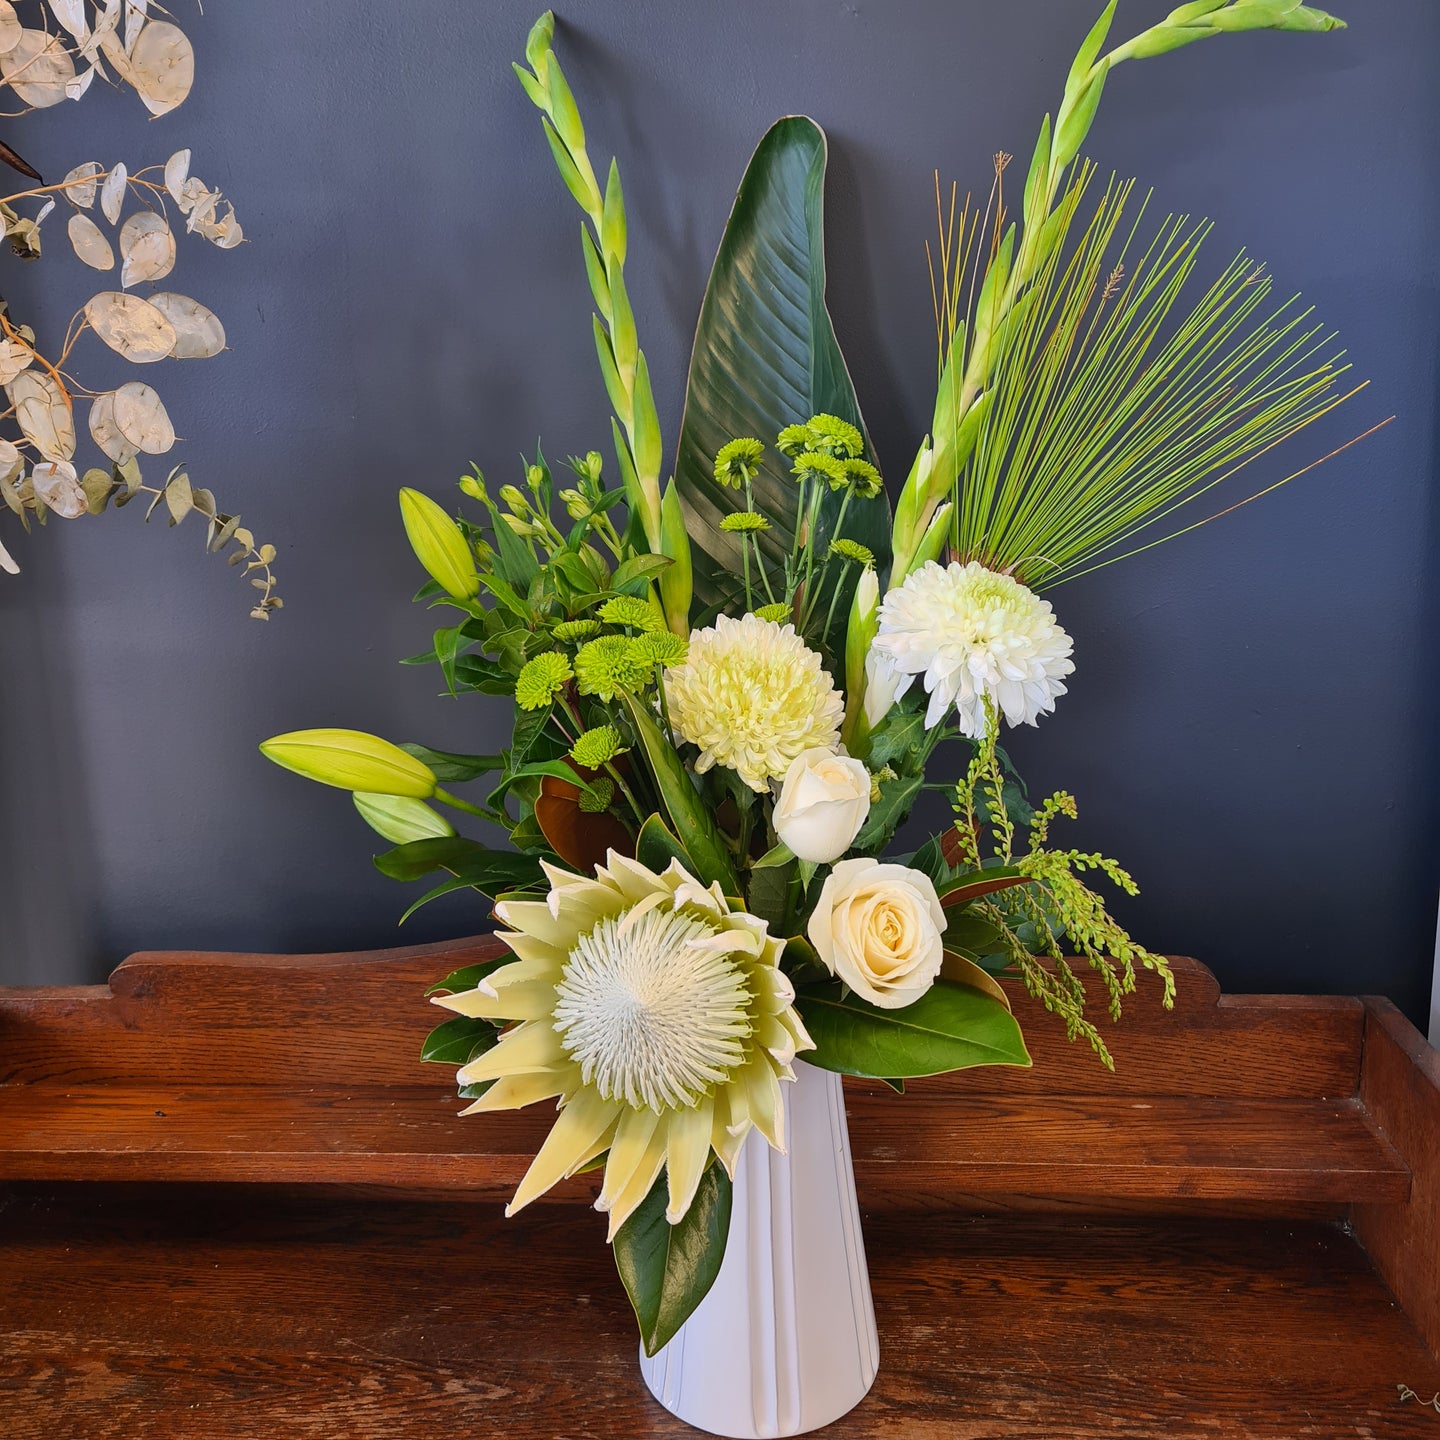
(657, 1016)
(976, 636)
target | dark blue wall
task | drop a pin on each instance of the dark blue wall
(1251, 724)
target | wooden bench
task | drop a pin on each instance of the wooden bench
(234, 1203)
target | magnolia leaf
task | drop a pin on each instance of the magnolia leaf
(162, 66)
(667, 1270)
(142, 420)
(198, 331)
(130, 326)
(89, 242)
(104, 431)
(15, 356)
(112, 192)
(82, 195)
(768, 285)
(11, 30)
(38, 67)
(177, 172)
(56, 484)
(147, 248)
(42, 410)
(950, 1027)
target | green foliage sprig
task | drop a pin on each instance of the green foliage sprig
(1057, 914)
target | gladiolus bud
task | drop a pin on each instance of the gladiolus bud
(439, 545)
(352, 760)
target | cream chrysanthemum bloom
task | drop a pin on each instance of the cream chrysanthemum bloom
(752, 695)
(975, 635)
(659, 1017)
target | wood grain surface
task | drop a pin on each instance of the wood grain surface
(216, 1313)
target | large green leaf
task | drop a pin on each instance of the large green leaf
(690, 822)
(950, 1027)
(765, 357)
(667, 1270)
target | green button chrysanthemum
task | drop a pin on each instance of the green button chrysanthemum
(631, 611)
(570, 632)
(836, 437)
(738, 462)
(597, 747)
(854, 551)
(816, 466)
(744, 522)
(541, 680)
(662, 648)
(611, 663)
(863, 478)
(777, 614)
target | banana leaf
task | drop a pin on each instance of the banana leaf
(765, 357)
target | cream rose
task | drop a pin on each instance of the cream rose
(823, 803)
(879, 928)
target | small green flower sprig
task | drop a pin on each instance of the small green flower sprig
(572, 627)
(825, 453)
(1023, 927)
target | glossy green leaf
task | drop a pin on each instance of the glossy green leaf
(691, 822)
(667, 1270)
(765, 357)
(449, 767)
(458, 1041)
(656, 846)
(976, 883)
(951, 1027)
(470, 862)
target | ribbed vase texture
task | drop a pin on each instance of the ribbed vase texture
(785, 1341)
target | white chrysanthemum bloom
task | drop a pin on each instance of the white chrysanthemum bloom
(658, 1016)
(975, 635)
(752, 695)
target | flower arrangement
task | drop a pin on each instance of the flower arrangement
(718, 727)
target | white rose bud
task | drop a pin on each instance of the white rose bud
(879, 928)
(823, 803)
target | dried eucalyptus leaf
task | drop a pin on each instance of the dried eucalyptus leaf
(42, 411)
(179, 498)
(134, 20)
(97, 485)
(15, 356)
(8, 565)
(162, 65)
(44, 211)
(112, 192)
(104, 431)
(177, 172)
(10, 27)
(55, 483)
(83, 194)
(141, 418)
(224, 234)
(147, 248)
(90, 243)
(198, 331)
(37, 67)
(75, 89)
(11, 460)
(71, 14)
(130, 326)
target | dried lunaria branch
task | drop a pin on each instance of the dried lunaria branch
(123, 42)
